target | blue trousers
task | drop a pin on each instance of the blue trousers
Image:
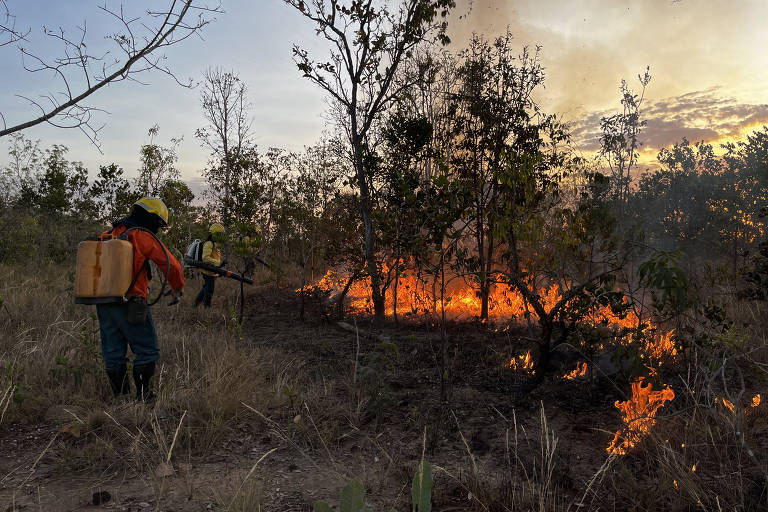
(117, 334)
(206, 293)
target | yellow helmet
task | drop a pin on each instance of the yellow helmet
(216, 228)
(154, 205)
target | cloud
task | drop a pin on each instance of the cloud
(590, 45)
(708, 115)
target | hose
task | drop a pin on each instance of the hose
(164, 280)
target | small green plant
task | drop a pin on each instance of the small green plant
(421, 489)
(352, 497)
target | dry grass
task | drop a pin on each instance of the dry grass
(51, 369)
(217, 386)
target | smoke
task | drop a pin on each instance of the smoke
(702, 58)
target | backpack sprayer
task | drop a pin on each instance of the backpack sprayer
(194, 255)
(104, 269)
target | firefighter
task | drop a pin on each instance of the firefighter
(129, 323)
(211, 256)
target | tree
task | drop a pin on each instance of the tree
(112, 193)
(54, 193)
(21, 173)
(228, 134)
(553, 244)
(674, 204)
(493, 115)
(619, 142)
(369, 42)
(158, 165)
(178, 197)
(80, 71)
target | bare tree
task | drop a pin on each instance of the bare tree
(369, 41)
(226, 108)
(619, 141)
(81, 72)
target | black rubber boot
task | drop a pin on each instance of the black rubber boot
(118, 379)
(142, 376)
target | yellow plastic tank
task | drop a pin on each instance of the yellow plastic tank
(104, 271)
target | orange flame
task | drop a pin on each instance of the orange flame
(461, 300)
(639, 413)
(727, 404)
(522, 363)
(756, 400)
(580, 371)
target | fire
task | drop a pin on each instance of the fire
(639, 414)
(522, 363)
(731, 407)
(461, 300)
(726, 403)
(580, 371)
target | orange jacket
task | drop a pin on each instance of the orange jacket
(146, 247)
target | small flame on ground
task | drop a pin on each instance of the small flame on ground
(522, 363)
(580, 371)
(756, 400)
(639, 413)
(726, 403)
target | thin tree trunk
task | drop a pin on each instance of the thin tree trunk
(397, 280)
(370, 256)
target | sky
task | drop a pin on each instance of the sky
(706, 57)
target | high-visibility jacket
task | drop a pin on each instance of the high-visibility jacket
(211, 256)
(145, 247)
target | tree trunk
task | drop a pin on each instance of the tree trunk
(303, 283)
(370, 255)
(394, 291)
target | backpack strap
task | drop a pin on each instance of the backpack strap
(145, 267)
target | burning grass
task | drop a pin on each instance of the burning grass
(639, 415)
(522, 364)
(417, 295)
(578, 372)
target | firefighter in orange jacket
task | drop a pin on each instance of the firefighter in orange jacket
(130, 323)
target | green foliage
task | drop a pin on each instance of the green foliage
(158, 165)
(50, 204)
(352, 497)
(112, 193)
(421, 489)
(671, 290)
(321, 506)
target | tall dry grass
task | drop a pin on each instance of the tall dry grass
(51, 372)
(213, 381)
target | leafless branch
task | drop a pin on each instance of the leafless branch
(80, 73)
